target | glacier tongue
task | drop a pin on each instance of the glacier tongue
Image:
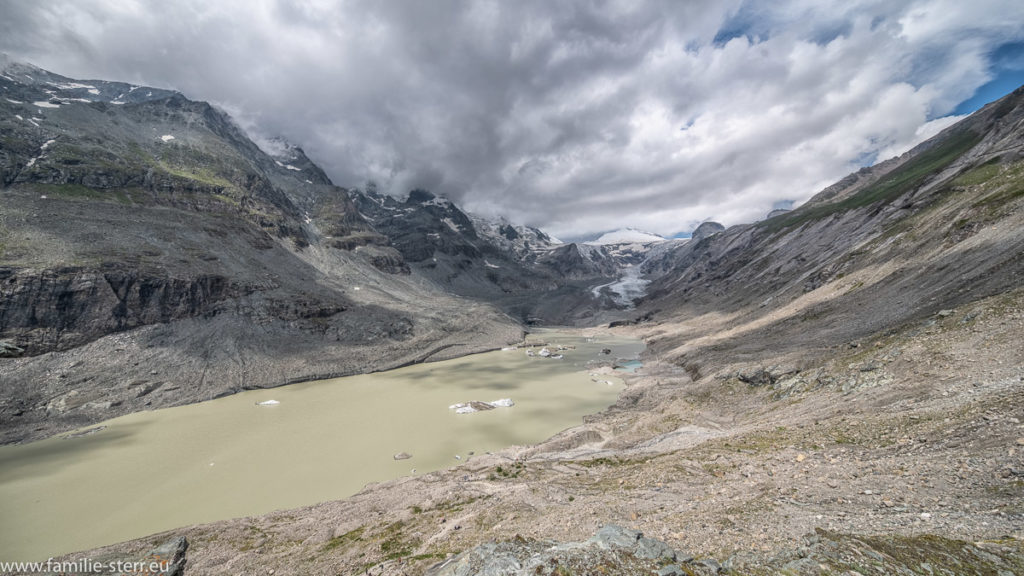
(627, 288)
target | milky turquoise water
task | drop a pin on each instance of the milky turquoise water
(325, 440)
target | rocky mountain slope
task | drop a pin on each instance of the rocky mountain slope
(835, 390)
(933, 229)
(152, 255)
(521, 270)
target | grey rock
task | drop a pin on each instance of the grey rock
(756, 377)
(706, 230)
(671, 570)
(9, 350)
(614, 536)
(170, 555)
(654, 550)
(711, 565)
(612, 545)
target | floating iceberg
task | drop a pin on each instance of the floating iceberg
(477, 406)
(268, 403)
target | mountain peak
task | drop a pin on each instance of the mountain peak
(626, 236)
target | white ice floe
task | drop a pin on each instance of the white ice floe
(167, 137)
(268, 403)
(544, 352)
(477, 406)
(45, 104)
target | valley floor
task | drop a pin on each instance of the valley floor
(881, 456)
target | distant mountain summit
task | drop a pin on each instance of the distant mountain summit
(706, 229)
(626, 236)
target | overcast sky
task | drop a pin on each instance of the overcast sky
(577, 117)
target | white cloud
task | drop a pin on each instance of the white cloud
(572, 116)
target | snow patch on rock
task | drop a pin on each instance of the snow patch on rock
(626, 236)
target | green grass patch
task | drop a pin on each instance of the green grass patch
(612, 462)
(979, 174)
(904, 179)
(1004, 196)
(456, 504)
(429, 556)
(395, 544)
(344, 540)
(512, 471)
(200, 174)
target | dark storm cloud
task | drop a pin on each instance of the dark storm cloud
(576, 116)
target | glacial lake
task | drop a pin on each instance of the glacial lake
(325, 440)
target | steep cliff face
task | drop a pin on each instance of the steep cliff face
(57, 309)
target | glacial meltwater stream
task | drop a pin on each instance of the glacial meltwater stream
(324, 440)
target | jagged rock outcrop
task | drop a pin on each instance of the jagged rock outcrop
(520, 269)
(57, 309)
(612, 549)
(579, 261)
